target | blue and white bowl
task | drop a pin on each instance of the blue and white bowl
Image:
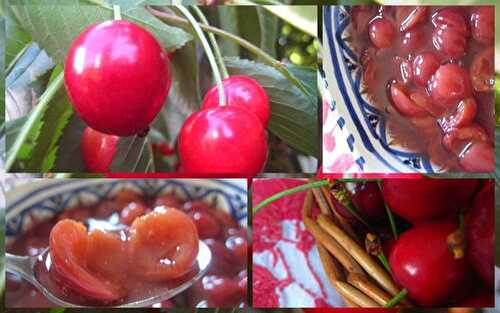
(41, 199)
(360, 126)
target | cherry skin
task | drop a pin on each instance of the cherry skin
(449, 84)
(422, 262)
(242, 91)
(480, 234)
(368, 199)
(419, 200)
(98, 150)
(223, 140)
(117, 77)
(382, 32)
(483, 24)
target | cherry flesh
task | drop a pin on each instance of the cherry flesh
(419, 200)
(480, 234)
(223, 140)
(241, 91)
(117, 77)
(98, 150)
(421, 262)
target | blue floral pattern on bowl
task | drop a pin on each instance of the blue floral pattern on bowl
(363, 125)
(42, 201)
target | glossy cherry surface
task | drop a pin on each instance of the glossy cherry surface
(422, 262)
(368, 199)
(98, 150)
(480, 231)
(350, 310)
(419, 200)
(241, 91)
(117, 77)
(223, 140)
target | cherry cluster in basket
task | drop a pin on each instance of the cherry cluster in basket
(444, 253)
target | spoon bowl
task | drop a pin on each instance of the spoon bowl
(25, 266)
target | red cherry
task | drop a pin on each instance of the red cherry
(242, 91)
(117, 77)
(449, 85)
(463, 115)
(421, 262)
(221, 290)
(413, 40)
(457, 140)
(223, 140)
(382, 32)
(208, 226)
(69, 245)
(424, 66)
(403, 103)
(483, 24)
(223, 261)
(451, 18)
(416, 16)
(480, 231)
(450, 42)
(98, 150)
(368, 199)
(238, 245)
(350, 310)
(478, 158)
(419, 200)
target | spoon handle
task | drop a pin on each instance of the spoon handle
(22, 265)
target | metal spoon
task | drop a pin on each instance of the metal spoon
(25, 267)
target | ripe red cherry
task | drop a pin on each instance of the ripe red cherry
(382, 32)
(421, 262)
(451, 18)
(480, 231)
(368, 199)
(242, 91)
(117, 77)
(419, 200)
(450, 84)
(351, 310)
(483, 24)
(223, 140)
(450, 42)
(98, 150)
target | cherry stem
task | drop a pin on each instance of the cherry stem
(290, 191)
(117, 12)
(266, 58)
(392, 222)
(397, 298)
(213, 41)
(383, 259)
(208, 51)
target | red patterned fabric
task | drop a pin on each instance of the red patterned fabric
(287, 271)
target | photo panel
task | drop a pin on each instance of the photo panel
(408, 89)
(146, 243)
(373, 243)
(202, 90)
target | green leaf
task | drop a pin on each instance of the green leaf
(228, 20)
(69, 156)
(293, 115)
(17, 38)
(248, 27)
(54, 27)
(133, 155)
(42, 155)
(269, 31)
(184, 96)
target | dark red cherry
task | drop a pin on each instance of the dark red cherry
(483, 298)
(450, 42)
(424, 66)
(483, 24)
(478, 158)
(422, 262)
(451, 18)
(223, 140)
(117, 77)
(242, 91)
(98, 150)
(382, 32)
(423, 199)
(480, 231)
(368, 199)
(449, 84)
